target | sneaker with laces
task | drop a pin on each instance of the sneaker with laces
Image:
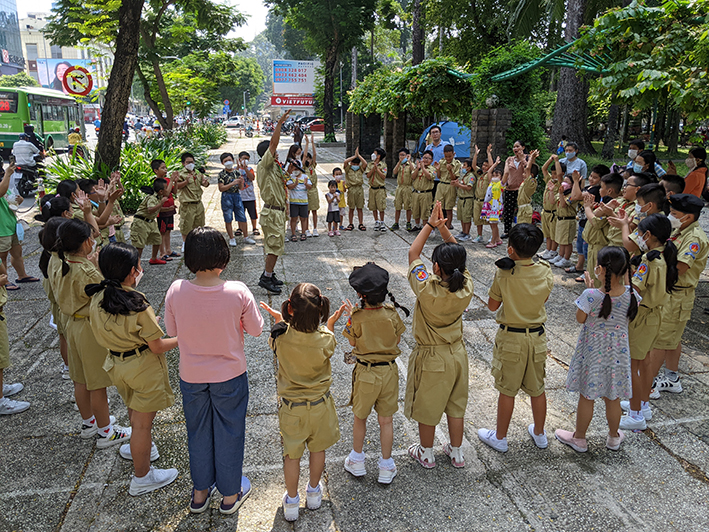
(315, 233)
(89, 430)
(290, 509)
(12, 389)
(646, 410)
(313, 498)
(382, 228)
(489, 437)
(8, 406)
(64, 371)
(423, 455)
(331, 233)
(455, 454)
(116, 436)
(567, 438)
(614, 443)
(232, 242)
(563, 263)
(386, 473)
(395, 227)
(664, 384)
(124, 451)
(463, 238)
(629, 422)
(307, 233)
(654, 393)
(540, 440)
(155, 479)
(337, 233)
(356, 468)
(408, 226)
(249, 240)
(478, 239)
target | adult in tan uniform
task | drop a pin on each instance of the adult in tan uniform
(271, 183)
(448, 170)
(376, 173)
(188, 185)
(422, 179)
(692, 250)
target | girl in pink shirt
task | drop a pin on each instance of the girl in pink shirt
(211, 316)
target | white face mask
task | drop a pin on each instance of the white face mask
(691, 163)
(229, 165)
(639, 214)
(570, 154)
(295, 175)
(190, 167)
(642, 244)
(632, 154)
(374, 156)
(674, 221)
(139, 277)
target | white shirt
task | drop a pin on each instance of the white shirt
(24, 153)
(576, 164)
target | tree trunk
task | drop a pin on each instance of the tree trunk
(608, 151)
(673, 136)
(154, 107)
(571, 110)
(329, 92)
(353, 83)
(391, 157)
(417, 44)
(108, 151)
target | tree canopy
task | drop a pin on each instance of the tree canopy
(21, 79)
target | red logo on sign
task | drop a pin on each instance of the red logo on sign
(78, 81)
(292, 101)
(5, 56)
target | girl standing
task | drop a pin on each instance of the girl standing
(494, 203)
(512, 179)
(600, 367)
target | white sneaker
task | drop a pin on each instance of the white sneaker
(628, 422)
(489, 437)
(463, 238)
(315, 233)
(290, 509)
(356, 468)
(12, 389)
(548, 254)
(382, 227)
(90, 430)
(654, 393)
(664, 384)
(386, 474)
(478, 239)
(64, 371)
(232, 242)
(115, 436)
(8, 406)
(541, 440)
(124, 451)
(313, 499)
(183, 247)
(155, 479)
(563, 263)
(646, 411)
(307, 233)
(249, 240)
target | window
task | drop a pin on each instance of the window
(31, 51)
(56, 52)
(8, 102)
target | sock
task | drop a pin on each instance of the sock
(356, 457)
(105, 431)
(267, 274)
(386, 464)
(316, 489)
(637, 415)
(291, 500)
(89, 421)
(672, 375)
(644, 405)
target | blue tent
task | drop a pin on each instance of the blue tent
(453, 133)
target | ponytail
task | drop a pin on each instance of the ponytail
(660, 227)
(633, 307)
(48, 239)
(607, 304)
(71, 235)
(117, 261)
(373, 299)
(451, 259)
(309, 308)
(396, 305)
(670, 256)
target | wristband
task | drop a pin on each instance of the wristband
(430, 225)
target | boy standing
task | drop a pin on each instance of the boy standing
(189, 185)
(448, 170)
(519, 290)
(144, 229)
(230, 182)
(464, 187)
(166, 216)
(248, 194)
(354, 178)
(480, 189)
(339, 178)
(402, 198)
(552, 184)
(376, 173)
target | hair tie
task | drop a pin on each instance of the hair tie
(456, 270)
(48, 204)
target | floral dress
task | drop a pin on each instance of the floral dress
(600, 366)
(492, 208)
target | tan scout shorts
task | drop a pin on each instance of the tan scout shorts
(465, 210)
(519, 361)
(402, 198)
(591, 261)
(273, 223)
(437, 383)
(447, 195)
(86, 355)
(377, 199)
(313, 199)
(8, 242)
(643, 331)
(549, 224)
(420, 205)
(4, 343)
(675, 316)
(375, 386)
(142, 380)
(317, 426)
(355, 197)
(524, 214)
(191, 216)
(565, 232)
(144, 233)
(477, 213)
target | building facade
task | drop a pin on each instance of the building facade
(11, 56)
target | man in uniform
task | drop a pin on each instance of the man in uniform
(448, 170)
(271, 183)
(377, 203)
(692, 249)
(189, 190)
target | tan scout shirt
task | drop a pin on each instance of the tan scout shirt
(445, 175)
(271, 181)
(376, 332)
(149, 201)
(403, 178)
(595, 232)
(526, 190)
(481, 184)
(650, 282)
(692, 248)
(438, 314)
(191, 193)
(421, 183)
(69, 289)
(523, 290)
(469, 180)
(615, 234)
(119, 332)
(354, 178)
(376, 180)
(564, 207)
(304, 372)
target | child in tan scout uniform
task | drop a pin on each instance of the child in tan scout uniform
(402, 198)
(125, 324)
(307, 413)
(464, 187)
(437, 380)
(482, 181)
(114, 232)
(144, 231)
(448, 170)
(102, 199)
(692, 249)
(552, 183)
(376, 173)
(70, 271)
(422, 185)
(7, 406)
(374, 330)
(519, 290)
(188, 185)
(565, 231)
(527, 190)
(310, 163)
(354, 178)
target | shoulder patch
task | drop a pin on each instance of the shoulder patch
(641, 271)
(694, 248)
(420, 273)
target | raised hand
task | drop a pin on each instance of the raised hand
(436, 219)
(477, 150)
(82, 200)
(273, 312)
(101, 190)
(587, 279)
(619, 221)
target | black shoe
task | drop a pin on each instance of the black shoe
(276, 281)
(503, 235)
(267, 283)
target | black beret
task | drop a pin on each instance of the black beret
(262, 147)
(369, 279)
(688, 203)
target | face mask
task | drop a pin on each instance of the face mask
(295, 175)
(637, 168)
(229, 165)
(139, 277)
(639, 214)
(463, 171)
(355, 167)
(676, 223)
(190, 167)
(641, 243)
(691, 163)
(632, 154)
(374, 156)
(570, 154)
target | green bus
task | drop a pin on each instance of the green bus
(51, 112)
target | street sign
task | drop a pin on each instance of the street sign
(226, 102)
(292, 101)
(78, 81)
(293, 77)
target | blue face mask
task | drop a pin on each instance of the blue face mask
(355, 167)
(637, 168)
(570, 154)
(463, 171)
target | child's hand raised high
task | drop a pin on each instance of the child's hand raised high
(587, 279)
(332, 320)
(436, 219)
(277, 316)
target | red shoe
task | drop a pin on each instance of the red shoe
(156, 261)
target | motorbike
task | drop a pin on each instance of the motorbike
(249, 132)
(26, 178)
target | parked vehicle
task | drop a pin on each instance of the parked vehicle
(316, 125)
(233, 122)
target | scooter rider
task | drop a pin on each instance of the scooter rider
(24, 152)
(34, 138)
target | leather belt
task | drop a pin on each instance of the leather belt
(419, 191)
(550, 212)
(291, 404)
(566, 217)
(376, 188)
(126, 354)
(273, 207)
(374, 363)
(539, 329)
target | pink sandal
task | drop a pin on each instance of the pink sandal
(426, 459)
(493, 244)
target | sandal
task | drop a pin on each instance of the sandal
(174, 254)
(11, 286)
(361, 227)
(572, 269)
(238, 232)
(349, 228)
(417, 453)
(293, 238)
(256, 232)
(303, 237)
(166, 258)
(580, 279)
(27, 279)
